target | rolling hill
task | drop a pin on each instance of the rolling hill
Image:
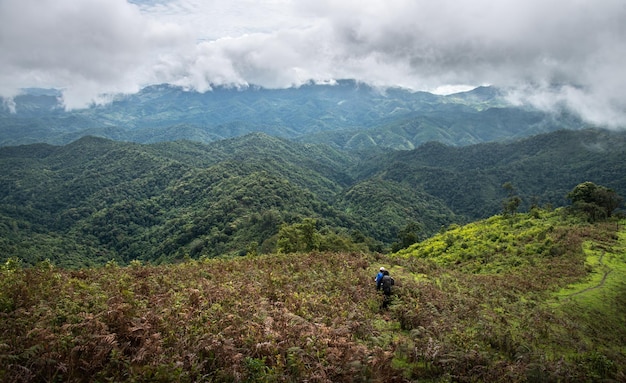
(95, 200)
(346, 115)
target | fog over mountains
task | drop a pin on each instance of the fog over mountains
(547, 54)
(345, 114)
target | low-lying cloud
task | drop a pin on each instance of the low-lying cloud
(88, 48)
(551, 54)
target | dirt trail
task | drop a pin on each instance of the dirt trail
(599, 285)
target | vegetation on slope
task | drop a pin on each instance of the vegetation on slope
(512, 298)
(346, 115)
(96, 200)
(542, 169)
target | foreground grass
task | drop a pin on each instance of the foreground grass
(526, 298)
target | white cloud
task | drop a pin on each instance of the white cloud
(86, 47)
(550, 53)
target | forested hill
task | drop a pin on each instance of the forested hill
(94, 200)
(542, 169)
(345, 115)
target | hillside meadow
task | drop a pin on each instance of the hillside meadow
(535, 297)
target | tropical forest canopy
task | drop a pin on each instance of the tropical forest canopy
(96, 200)
(347, 115)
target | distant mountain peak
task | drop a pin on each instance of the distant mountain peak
(338, 114)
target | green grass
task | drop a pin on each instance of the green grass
(607, 272)
(599, 302)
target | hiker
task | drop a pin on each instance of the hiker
(386, 282)
(379, 277)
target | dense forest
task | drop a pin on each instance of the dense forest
(346, 115)
(96, 200)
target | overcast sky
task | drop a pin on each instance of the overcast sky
(545, 52)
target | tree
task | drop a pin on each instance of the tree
(597, 202)
(407, 236)
(298, 237)
(511, 204)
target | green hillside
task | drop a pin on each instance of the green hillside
(96, 200)
(449, 125)
(346, 115)
(530, 297)
(542, 169)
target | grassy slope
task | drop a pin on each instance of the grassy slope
(599, 302)
(523, 298)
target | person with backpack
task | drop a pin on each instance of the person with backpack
(386, 283)
(379, 278)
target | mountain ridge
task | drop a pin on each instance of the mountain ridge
(316, 113)
(231, 195)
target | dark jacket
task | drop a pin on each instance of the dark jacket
(386, 283)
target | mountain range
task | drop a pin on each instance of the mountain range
(96, 200)
(347, 115)
(233, 235)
